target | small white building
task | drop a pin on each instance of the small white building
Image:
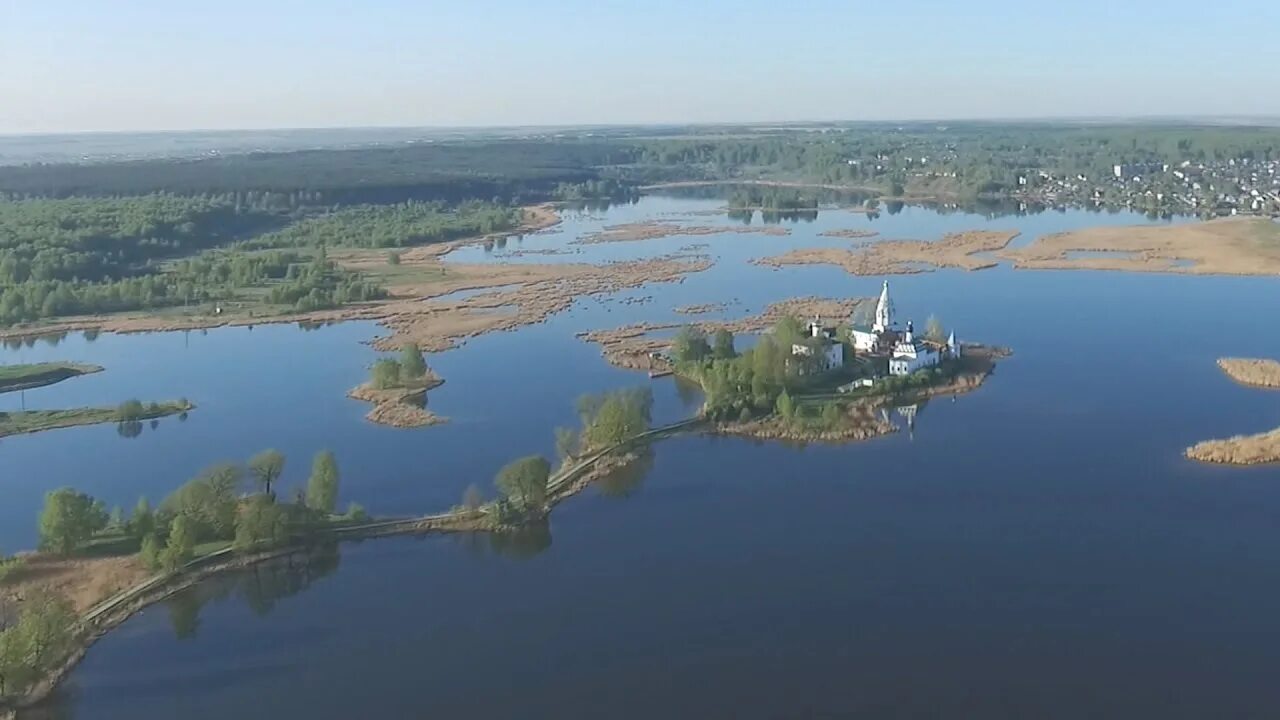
(822, 346)
(911, 354)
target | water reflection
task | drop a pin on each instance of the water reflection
(626, 479)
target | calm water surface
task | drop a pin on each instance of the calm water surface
(1038, 548)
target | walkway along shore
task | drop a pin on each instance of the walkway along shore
(112, 612)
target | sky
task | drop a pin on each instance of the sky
(139, 65)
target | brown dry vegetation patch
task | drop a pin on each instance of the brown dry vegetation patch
(1229, 246)
(653, 229)
(83, 581)
(629, 346)
(702, 309)
(849, 234)
(902, 257)
(1244, 449)
(1251, 371)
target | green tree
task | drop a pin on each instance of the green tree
(385, 374)
(261, 522)
(613, 417)
(567, 444)
(266, 468)
(322, 486)
(788, 332)
(150, 552)
(41, 637)
(786, 406)
(412, 364)
(830, 415)
(208, 501)
(690, 345)
(68, 520)
(523, 483)
(722, 347)
(130, 410)
(933, 329)
(142, 522)
(180, 546)
(472, 499)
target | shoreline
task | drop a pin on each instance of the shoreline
(30, 422)
(38, 375)
(400, 407)
(111, 612)
(1244, 450)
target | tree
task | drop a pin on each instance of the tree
(471, 498)
(786, 406)
(260, 523)
(208, 501)
(722, 348)
(181, 545)
(142, 522)
(385, 374)
(933, 329)
(266, 468)
(613, 417)
(41, 636)
(412, 364)
(788, 331)
(690, 345)
(567, 444)
(130, 411)
(523, 482)
(69, 519)
(150, 552)
(322, 486)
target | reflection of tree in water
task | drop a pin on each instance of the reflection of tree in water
(524, 542)
(625, 479)
(261, 586)
(689, 392)
(129, 428)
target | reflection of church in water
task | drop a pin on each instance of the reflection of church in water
(906, 415)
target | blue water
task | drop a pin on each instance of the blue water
(1038, 548)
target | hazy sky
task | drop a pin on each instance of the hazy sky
(72, 65)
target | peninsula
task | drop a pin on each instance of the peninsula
(25, 377)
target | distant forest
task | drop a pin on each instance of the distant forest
(113, 236)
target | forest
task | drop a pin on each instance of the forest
(139, 235)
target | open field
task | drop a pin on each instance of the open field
(26, 377)
(1230, 246)
(901, 257)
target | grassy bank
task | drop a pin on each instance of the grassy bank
(25, 377)
(33, 421)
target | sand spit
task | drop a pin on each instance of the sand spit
(654, 229)
(1253, 372)
(1229, 246)
(849, 234)
(700, 309)
(1257, 449)
(903, 257)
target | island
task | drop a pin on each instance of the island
(398, 390)
(830, 380)
(1259, 449)
(25, 377)
(963, 250)
(129, 414)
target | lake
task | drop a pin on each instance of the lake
(1037, 548)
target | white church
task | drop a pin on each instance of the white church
(906, 353)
